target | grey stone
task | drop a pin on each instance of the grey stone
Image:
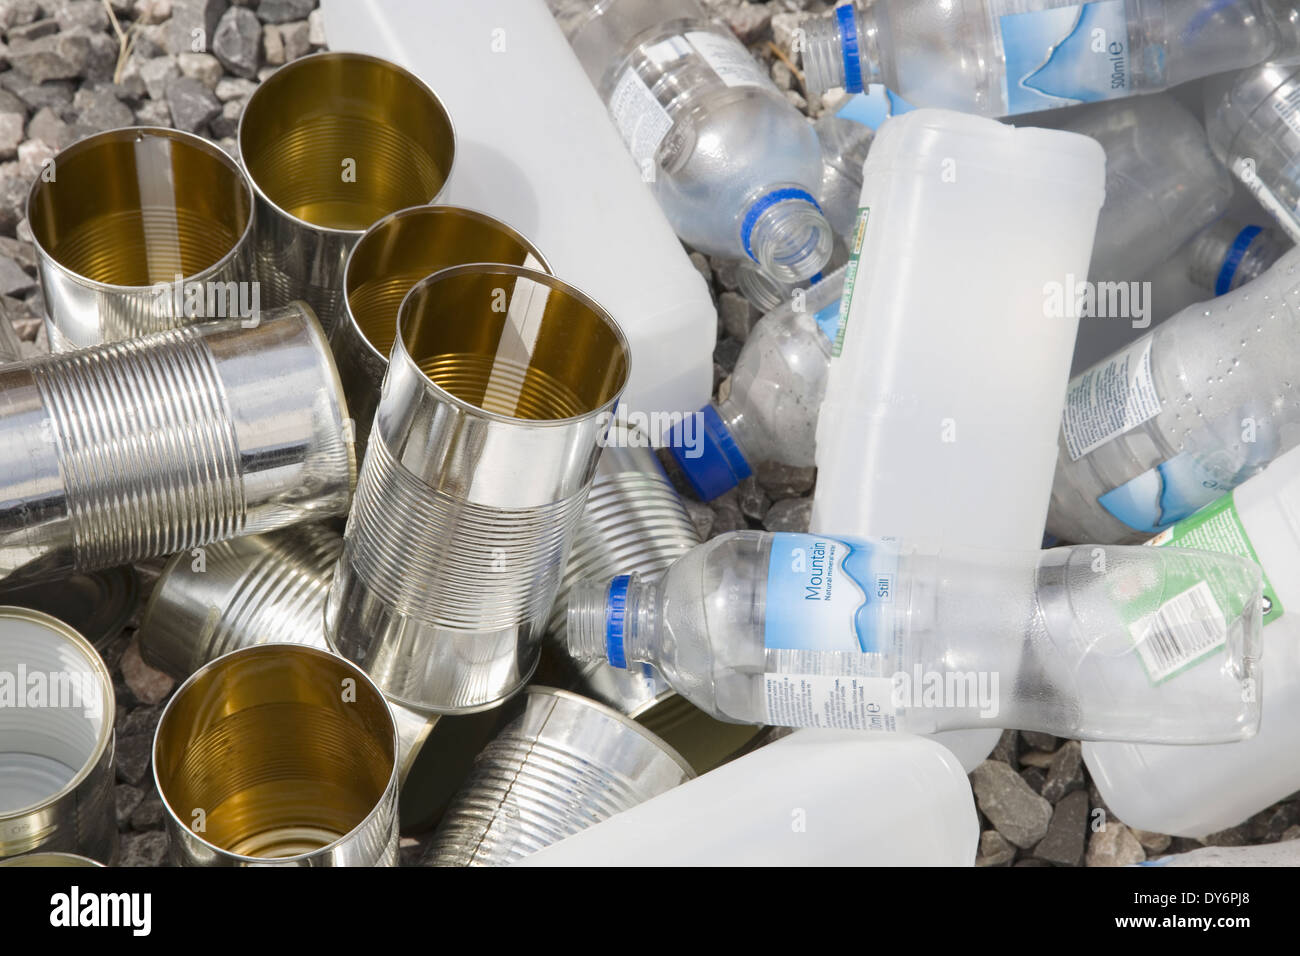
(1271, 823)
(203, 67)
(1152, 843)
(157, 73)
(1007, 749)
(34, 31)
(81, 13)
(1038, 741)
(738, 316)
(1067, 833)
(1233, 836)
(99, 109)
(1292, 833)
(33, 156)
(13, 279)
(227, 124)
(1019, 814)
(19, 251)
(191, 103)
(150, 686)
(701, 516)
(316, 28)
(154, 113)
(234, 88)
(151, 11)
(701, 263)
(748, 21)
(725, 272)
(786, 481)
(727, 514)
(782, 76)
(1036, 758)
(296, 38)
(9, 103)
(56, 93)
(754, 501)
(189, 16)
(272, 45)
(57, 57)
(142, 720)
(11, 134)
(1065, 774)
(125, 799)
(18, 12)
(144, 849)
(238, 42)
(1035, 778)
(101, 62)
(995, 850)
(149, 814)
(1029, 861)
(282, 11)
(789, 514)
(151, 40)
(785, 27)
(725, 352)
(795, 99)
(133, 754)
(1114, 845)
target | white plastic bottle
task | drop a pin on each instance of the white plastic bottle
(733, 164)
(1190, 410)
(873, 634)
(536, 149)
(813, 798)
(1194, 791)
(1002, 57)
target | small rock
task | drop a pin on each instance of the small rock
(781, 76)
(1292, 833)
(133, 755)
(1271, 823)
(701, 516)
(152, 40)
(142, 720)
(1233, 836)
(1065, 774)
(57, 57)
(99, 109)
(238, 42)
(149, 686)
(101, 62)
(34, 31)
(1095, 798)
(795, 99)
(785, 27)
(9, 103)
(272, 45)
(297, 40)
(144, 849)
(154, 113)
(234, 88)
(1152, 842)
(191, 103)
(48, 128)
(1030, 861)
(15, 13)
(11, 134)
(1035, 778)
(227, 124)
(282, 11)
(152, 11)
(33, 156)
(701, 263)
(1114, 845)
(157, 73)
(748, 21)
(316, 28)
(1067, 833)
(13, 280)
(995, 850)
(738, 316)
(1007, 749)
(19, 251)
(727, 514)
(725, 272)
(55, 94)
(125, 799)
(786, 481)
(789, 514)
(193, 25)
(1019, 814)
(1036, 758)
(203, 67)
(726, 351)
(1038, 741)
(754, 501)
(149, 814)
(90, 14)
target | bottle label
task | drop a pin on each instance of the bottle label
(850, 280)
(1244, 169)
(828, 320)
(1173, 490)
(727, 58)
(833, 703)
(641, 120)
(1109, 399)
(1065, 55)
(1288, 110)
(1218, 528)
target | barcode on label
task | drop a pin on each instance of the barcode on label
(1181, 632)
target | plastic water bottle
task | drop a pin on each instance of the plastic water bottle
(1187, 412)
(1227, 254)
(844, 143)
(749, 812)
(1194, 791)
(1254, 128)
(1002, 57)
(805, 630)
(769, 410)
(1163, 183)
(733, 164)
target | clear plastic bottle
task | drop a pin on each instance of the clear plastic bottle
(1226, 255)
(1003, 57)
(769, 409)
(845, 144)
(1187, 412)
(1254, 129)
(870, 634)
(733, 164)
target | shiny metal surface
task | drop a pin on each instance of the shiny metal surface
(56, 740)
(51, 859)
(170, 442)
(260, 589)
(394, 254)
(10, 349)
(333, 142)
(500, 387)
(278, 755)
(96, 604)
(128, 216)
(565, 764)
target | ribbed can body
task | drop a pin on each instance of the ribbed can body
(169, 442)
(565, 764)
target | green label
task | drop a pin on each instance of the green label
(850, 278)
(1217, 527)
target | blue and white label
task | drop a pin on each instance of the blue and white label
(1066, 55)
(1175, 489)
(828, 320)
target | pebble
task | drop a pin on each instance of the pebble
(132, 758)
(191, 103)
(738, 316)
(150, 686)
(282, 11)
(238, 42)
(995, 850)
(272, 45)
(727, 514)
(13, 278)
(125, 799)
(193, 24)
(297, 40)
(754, 501)
(57, 57)
(1019, 814)
(1007, 749)
(701, 516)
(789, 514)
(1067, 832)
(1065, 773)
(234, 88)
(203, 67)
(144, 849)
(786, 481)
(1036, 758)
(1114, 845)
(1152, 843)
(1035, 777)
(70, 14)
(149, 814)
(100, 109)
(11, 133)
(157, 73)
(316, 28)
(1037, 741)
(748, 21)
(18, 12)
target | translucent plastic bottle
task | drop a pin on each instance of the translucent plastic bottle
(769, 410)
(1163, 183)
(1002, 57)
(870, 634)
(845, 143)
(1187, 412)
(733, 164)
(1194, 791)
(1226, 255)
(1254, 128)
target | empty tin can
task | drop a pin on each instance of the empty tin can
(259, 589)
(56, 740)
(166, 443)
(333, 142)
(394, 254)
(138, 230)
(278, 755)
(499, 390)
(51, 859)
(565, 764)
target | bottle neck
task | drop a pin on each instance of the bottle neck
(613, 621)
(841, 50)
(746, 434)
(784, 231)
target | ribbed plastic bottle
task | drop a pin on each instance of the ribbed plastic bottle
(1003, 57)
(1227, 254)
(872, 634)
(1187, 412)
(734, 165)
(1194, 791)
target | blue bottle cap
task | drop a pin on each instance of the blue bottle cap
(717, 465)
(615, 619)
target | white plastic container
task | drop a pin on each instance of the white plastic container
(1193, 791)
(536, 148)
(815, 798)
(944, 395)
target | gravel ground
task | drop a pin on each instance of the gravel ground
(69, 68)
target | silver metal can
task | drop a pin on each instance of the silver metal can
(10, 349)
(279, 755)
(500, 387)
(333, 142)
(162, 444)
(138, 230)
(56, 740)
(565, 764)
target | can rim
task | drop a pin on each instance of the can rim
(106, 730)
(340, 55)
